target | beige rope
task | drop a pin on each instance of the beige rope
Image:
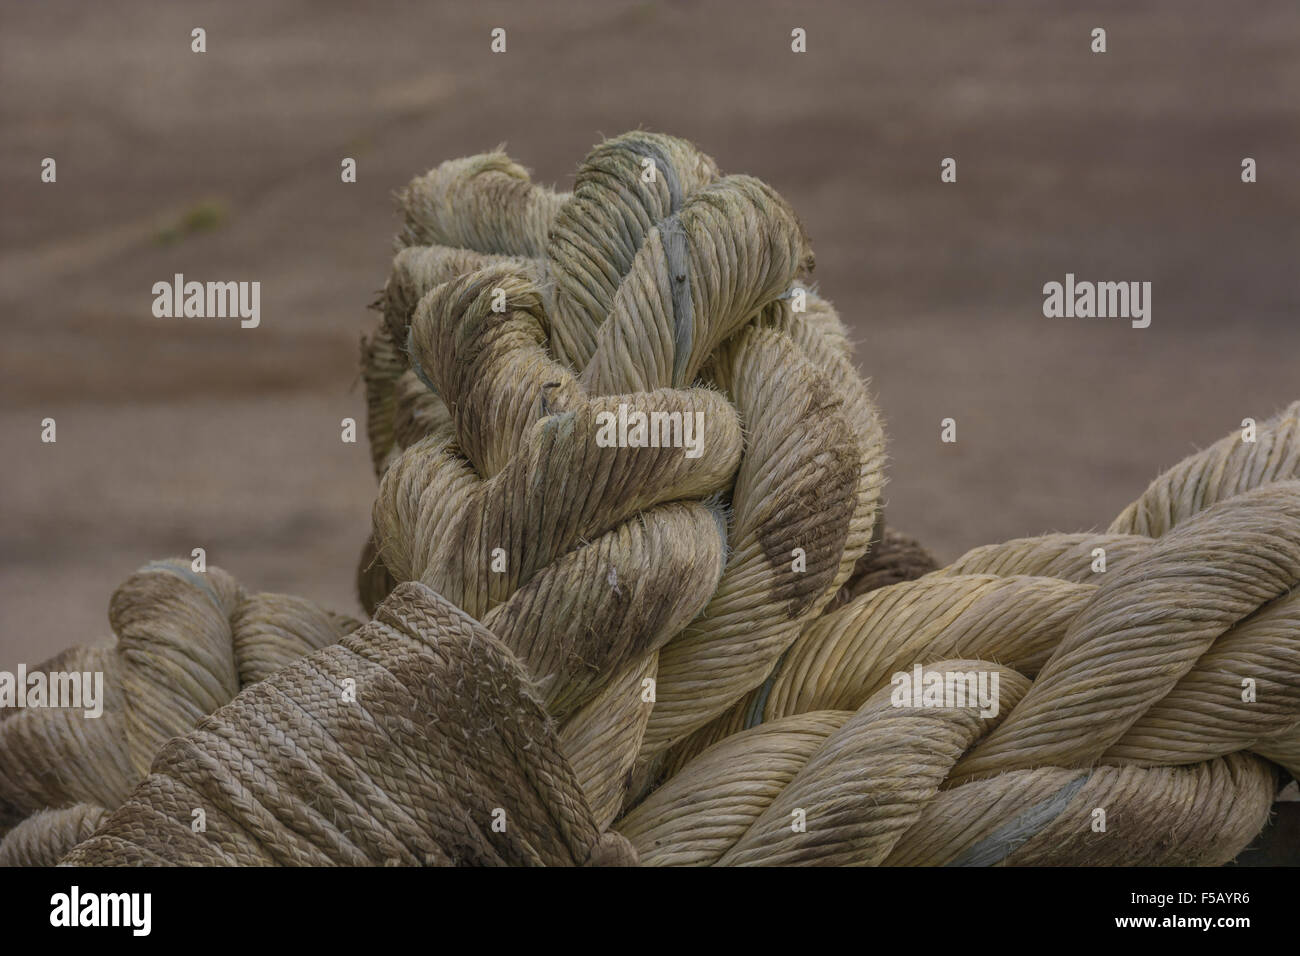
(1019, 621)
(1146, 629)
(45, 838)
(874, 787)
(415, 740)
(650, 280)
(701, 646)
(187, 642)
(1136, 706)
(1065, 556)
(893, 559)
(1228, 467)
(485, 203)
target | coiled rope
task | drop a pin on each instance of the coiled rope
(1136, 696)
(187, 642)
(700, 647)
(293, 773)
(640, 286)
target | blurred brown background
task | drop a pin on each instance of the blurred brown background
(225, 166)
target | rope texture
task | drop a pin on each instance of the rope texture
(620, 566)
(697, 646)
(304, 768)
(187, 643)
(1125, 696)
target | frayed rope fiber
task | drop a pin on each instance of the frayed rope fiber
(583, 652)
(439, 700)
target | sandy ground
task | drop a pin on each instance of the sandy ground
(171, 435)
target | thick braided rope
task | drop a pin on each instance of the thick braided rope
(186, 643)
(471, 213)
(868, 787)
(415, 740)
(485, 415)
(484, 202)
(1228, 467)
(1025, 622)
(597, 235)
(1132, 667)
(1136, 701)
(45, 837)
(647, 612)
(1065, 557)
(641, 286)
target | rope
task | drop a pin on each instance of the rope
(1228, 467)
(186, 644)
(638, 290)
(893, 559)
(302, 769)
(1125, 696)
(697, 641)
(44, 838)
(723, 668)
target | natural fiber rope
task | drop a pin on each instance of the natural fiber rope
(698, 256)
(870, 786)
(1038, 629)
(893, 559)
(1228, 467)
(45, 837)
(439, 739)
(187, 643)
(1136, 702)
(513, 317)
(648, 281)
